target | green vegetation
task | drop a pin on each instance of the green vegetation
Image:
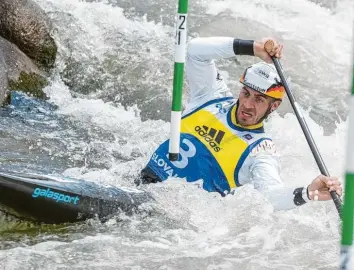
(32, 84)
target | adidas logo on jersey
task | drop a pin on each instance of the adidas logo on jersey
(211, 135)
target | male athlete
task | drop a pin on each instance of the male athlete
(222, 139)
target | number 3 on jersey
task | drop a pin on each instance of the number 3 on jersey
(181, 164)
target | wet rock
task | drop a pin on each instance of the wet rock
(3, 78)
(25, 24)
(30, 83)
(18, 72)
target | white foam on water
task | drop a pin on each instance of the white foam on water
(323, 35)
(188, 227)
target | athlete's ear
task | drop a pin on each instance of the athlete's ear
(275, 105)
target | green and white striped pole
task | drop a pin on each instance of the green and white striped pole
(348, 208)
(180, 55)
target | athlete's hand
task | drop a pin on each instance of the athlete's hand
(261, 52)
(324, 185)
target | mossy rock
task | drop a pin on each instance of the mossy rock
(31, 84)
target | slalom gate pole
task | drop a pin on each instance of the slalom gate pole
(348, 208)
(316, 154)
(180, 52)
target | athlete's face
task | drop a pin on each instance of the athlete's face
(253, 106)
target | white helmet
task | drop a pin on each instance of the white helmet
(263, 77)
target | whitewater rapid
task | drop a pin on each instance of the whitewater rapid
(112, 85)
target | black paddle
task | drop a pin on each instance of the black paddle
(322, 167)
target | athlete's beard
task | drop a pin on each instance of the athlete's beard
(264, 117)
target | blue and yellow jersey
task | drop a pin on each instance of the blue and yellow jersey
(213, 147)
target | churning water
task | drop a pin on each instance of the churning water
(111, 92)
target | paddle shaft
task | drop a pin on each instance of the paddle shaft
(316, 154)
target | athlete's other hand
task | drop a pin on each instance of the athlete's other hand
(262, 53)
(324, 185)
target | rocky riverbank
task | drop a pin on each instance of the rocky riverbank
(27, 48)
